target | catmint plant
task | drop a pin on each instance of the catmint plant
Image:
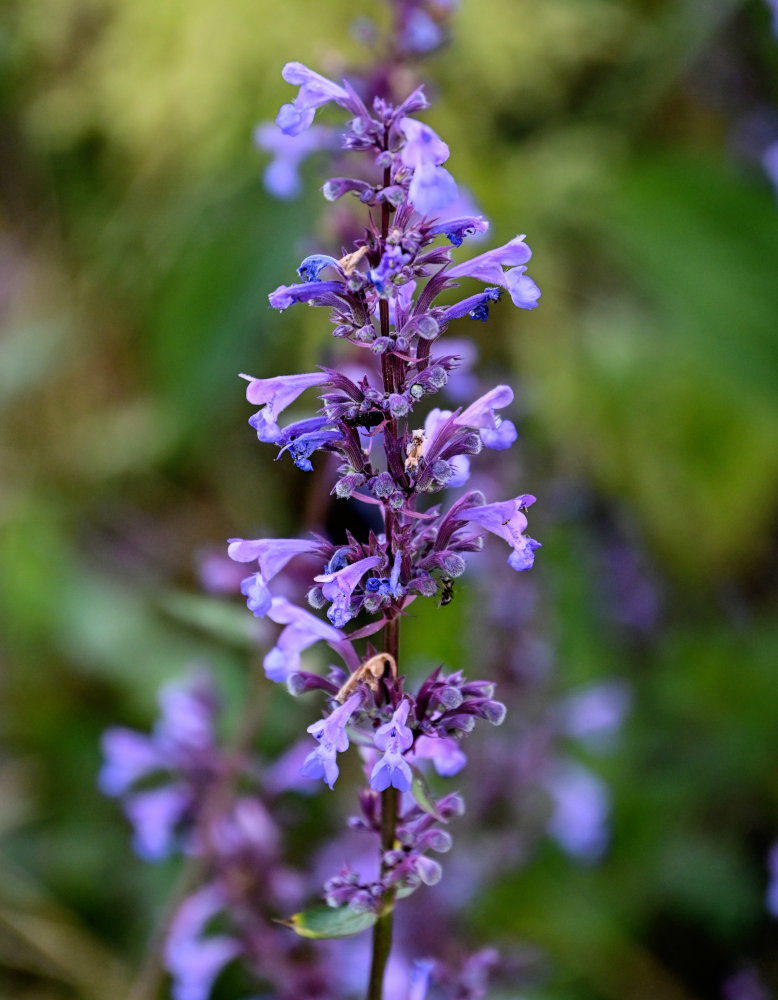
(383, 297)
(389, 297)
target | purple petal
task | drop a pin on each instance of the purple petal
(128, 756)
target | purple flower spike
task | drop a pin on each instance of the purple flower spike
(495, 432)
(302, 630)
(333, 739)
(315, 90)
(394, 738)
(338, 588)
(186, 724)
(432, 187)
(507, 520)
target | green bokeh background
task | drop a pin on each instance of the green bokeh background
(137, 248)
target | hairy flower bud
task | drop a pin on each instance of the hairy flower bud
(453, 565)
(398, 405)
(423, 585)
(345, 487)
(429, 871)
(427, 328)
(494, 712)
(449, 697)
(316, 598)
(382, 486)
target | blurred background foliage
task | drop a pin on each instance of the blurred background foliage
(137, 248)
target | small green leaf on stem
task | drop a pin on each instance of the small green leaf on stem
(423, 797)
(327, 922)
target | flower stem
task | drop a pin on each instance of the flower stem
(382, 930)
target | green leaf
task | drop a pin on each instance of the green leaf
(424, 799)
(326, 922)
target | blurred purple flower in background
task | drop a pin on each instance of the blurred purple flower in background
(282, 174)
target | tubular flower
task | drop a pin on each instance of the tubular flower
(394, 738)
(488, 267)
(272, 554)
(315, 90)
(274, 395)
(455, 230)
(286, 295)
(496, 433)
(302, 630)
(333, 739)
(507, 520)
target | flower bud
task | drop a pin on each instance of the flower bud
(429, 871)
(346, 486)
(437, 840)
(449, 696)
(437, 376)
(442, 471)
(494, 712)
(316, 598)
(453, 565)
(295, 684)
(427, 327)
(395, 195)
(451, 805)
(398, 405)
(423, 585)
(471, 444)
(382, 486)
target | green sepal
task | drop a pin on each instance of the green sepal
(423, 797)
(329, 922)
